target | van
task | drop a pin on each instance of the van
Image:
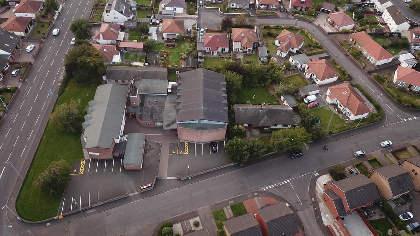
(309, 99)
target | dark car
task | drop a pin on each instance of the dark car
(213, 146)
(296, 154)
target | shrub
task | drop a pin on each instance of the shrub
(167, 231)
(221, 232)
(337, 172)
(196, 223)
(164, 225)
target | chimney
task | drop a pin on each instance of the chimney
(134, 95)
(243, 34)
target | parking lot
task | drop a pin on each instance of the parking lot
(28, 56)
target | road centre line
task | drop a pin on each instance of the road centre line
(362, 79)
(389, 107)
(370, 88)
(379, 97)
(4, 167)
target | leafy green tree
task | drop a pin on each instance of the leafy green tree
(54, 179)
(84, 63)
(237, 150)
(287, 65)
(81, 28)
(233, 84)
(415, 5)
(251, 20)
(143, 28)
(237, 131)
(240, 20)
(51, 5)
(256, 148)
(290, 139)
(311, 12)
(66, 116)
(149, 44)
(226, 24)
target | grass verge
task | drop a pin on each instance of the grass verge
(219, 216)
(238, 209)
(40, 30)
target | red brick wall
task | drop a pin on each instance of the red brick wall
(145, 123)
(104, 153)
(132, 167)
(201, 136)
(135, 101)
(343, 227)
(367, 224)
(330, 204)
(263, 225)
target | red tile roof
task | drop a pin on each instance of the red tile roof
(131, 45)
(108, 31)
(298, 3)
(288, 40)
(415, 31)
(172, 26)
(372, 47)
(268, 2)
(341, 19)
(247, 37)
(108, 51)
(348, 97)
(16, 24)
(216, 40)
(410, 76)
(26, 6)
(322, 69)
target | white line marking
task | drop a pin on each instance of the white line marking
(28, 91)
(361, 79)
(29, 137)
(43, 105)
(24, 148)
(23, 125)
(7, 133)
(17, 138)
(30, 109)
(379, 97)
(399, 117)
(1, 146)
(370, 88)
(15, 118)
(4, 167)
(389, 107)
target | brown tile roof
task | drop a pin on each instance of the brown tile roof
(321, 68)
(245, 225)
(410, 76)
(247, 37)
(341, 19)
(372, 47)
(328, 6)
(398, 178)
(288, 40)
(298, 3)
(131, 45)
(348, 97)
(108, 31)
(16, 24)
(415, 31)
(26, 6)
(216, 40)
(396, 14)
(108, 51)
(172, 26)
(268, 2)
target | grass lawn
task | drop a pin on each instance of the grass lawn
(133, 57)
(32, 204)
(267, 13)
(349, 13)
(403, 154)
(135, 34)
(393, 50)
(97, 17)
(375, 163)
(172, 76)
(211, 63)
(381, 226)
(362, 168)
(142, 13)
(219, 216)
(144, 2)
(5, 96)
(408, 99)
(238, 209)
(41, 29)
(219, 5)
(324, 113)
(191, 8)
(99, 11)
(297, 80)
(248, 59)
(182, 46)
(262, 95)
(371, 18)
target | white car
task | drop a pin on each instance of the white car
(406, 216)
(15, 72)
(6, 67)
(386, 143)
(73, 41)
(202, 32)
(55, 32)
(309, 99)
(30, 48)
(359, 153)
(1, 77)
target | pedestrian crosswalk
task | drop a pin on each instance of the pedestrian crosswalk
(288, 180)
(402, 121)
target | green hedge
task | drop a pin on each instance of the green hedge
(166, 224)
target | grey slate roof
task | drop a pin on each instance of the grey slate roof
(174, 3)
(415, 161)
(396, 14)
(398, 178)
(290, 100)
(338, 203)
(262, 51)
(169, 112)
(123, 7)
(307, 89)
(245, 225)
(105, 113)
(267, 115)
(240, 1)
(201, 232)
(134, 149)
(201, 95)
(8, 42)
(280, 219)
(359, 190)
(152, 86)
(126, 73)
(301, 58)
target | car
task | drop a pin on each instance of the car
(386, 143)
(296, 154)
(30, 47)
(413, 225)
(201, 3)
(55, 32)
(406, 216)
(353, 171)
(213, 146)
(73, 41)
(359, 153)
(1, 77)
(6, 67)
(15, 72)
(309, 99)
(281, 9)
(202, 32)
(313, 104)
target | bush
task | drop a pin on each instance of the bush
(164, 225)
(337, 172)
(387, 209)
(196, 223)
(167, 231)
(221, 232)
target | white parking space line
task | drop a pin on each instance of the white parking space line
(4, 167)
(370, 88)
(389, 107)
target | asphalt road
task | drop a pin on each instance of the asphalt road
(406, 11)
(26, 119)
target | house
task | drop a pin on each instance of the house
(202, 112)
(327, 7)
(171, 28)
(245, 225)
(134, 151)
(21, 26)
(131, 46)
(109, 52)
(127, 74)
(265, 116)
(10, 46)
(300, 5)
(340, 21)
(311, 89)
(395, 20)
(321, 71)
(348, 101)
(262, 54)
(268, 4)
(381, 5)
(407, 78)
(117, 11)
(175, 6)
(407, 60)
(413, 36)
(104, 122)
(374, 52)
(348, 195)
(243, 39)
(109, 34)
(299, 60)
(28, 8)
(277, 219)
(215, 43)
(239, 4)
(392, 181)
(287, 42)
(412, 165)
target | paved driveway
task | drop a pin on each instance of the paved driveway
(210, 18)
(28, 56)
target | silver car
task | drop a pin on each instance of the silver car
(359, 153)
(386, 143)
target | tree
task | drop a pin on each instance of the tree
(81, 28)
(237, 131)
(415, 5)
(290, 139)
(311, 12)
(240, 20)
(233, 84)
(143, 28)
(251, 20)
(237, 150)
(226, 24)
(287, 65)
(66, 116)
(54, 179)
(257, 149)
(51, 5)
(167, 231)
(84, 63)
(149, 44)
(337, 172)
